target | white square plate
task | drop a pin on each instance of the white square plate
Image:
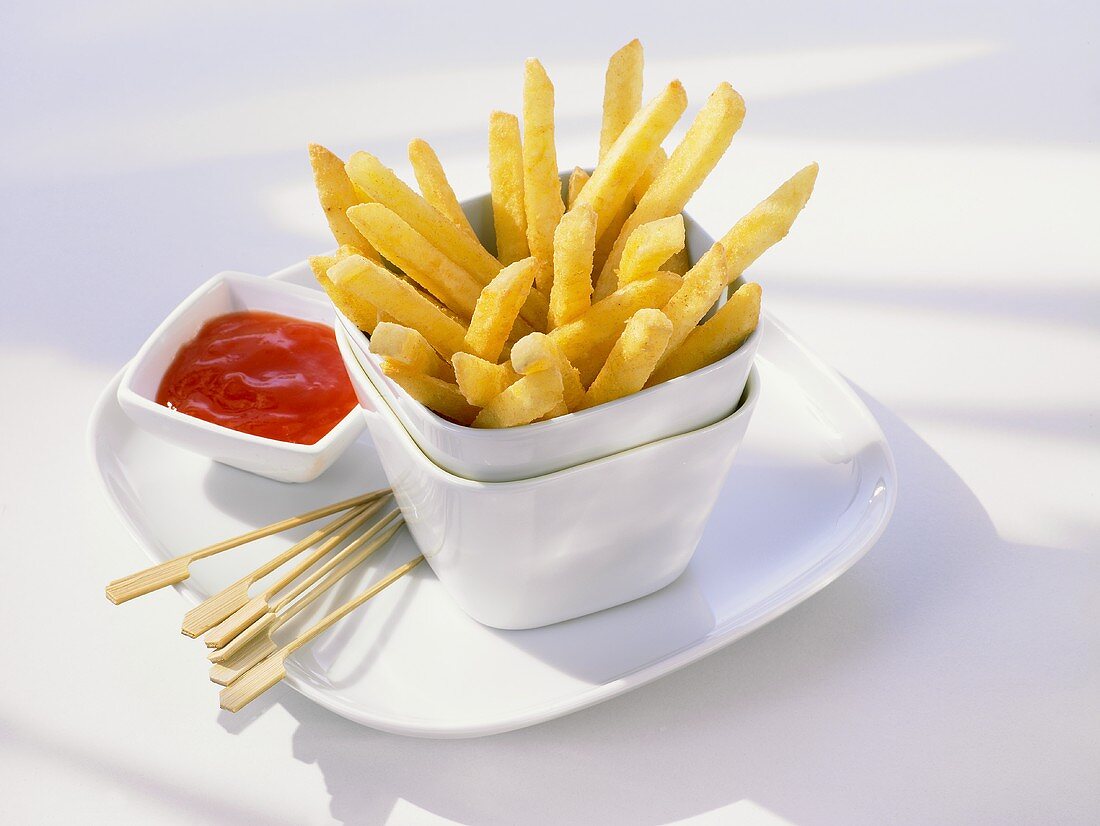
(811, 490)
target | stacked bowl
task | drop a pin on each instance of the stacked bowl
(532, 525)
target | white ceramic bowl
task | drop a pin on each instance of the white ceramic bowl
(534, 552)
(677, 406)
(225, 293)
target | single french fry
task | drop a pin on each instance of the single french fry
(397, 298)
(716, 338)
(632, 359)
(702, 287)
(622, 92)
(768, 222)
(481, 381)
(336, 194)
(381, 184)
(506, 183)
(698, 153)
(541, 185)
(498, 308)
(574, 246)
(650, 174)
(414, 255)
(528, 399)
(619, 170)
(408, 348)
(648, 247)
(537, 352)
(577, 179)
(443, 397)
(587, 340)
(359, 310)
(434, 185)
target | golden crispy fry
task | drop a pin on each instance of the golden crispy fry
(497, 309)
(386, 188)
(632, 359)
(702, 287)
(537, 352)
(367, 172)
(574, 245)
(587, 341)
(650, 174)
(528, 399)
(359, 311)
(372, 282)
(541, 185)
(619, 170)
(434, 185)
(560, 409)
(418, 259)
(704, 144)
(622, 92)
(441, 396)
(722, 333)
(482, 381)
(409, 349)
(336, 194)
(648, 247)
(506, 182)
(607, 240)
(768, 222)
(577, 179)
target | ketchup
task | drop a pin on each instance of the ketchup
(261, 373)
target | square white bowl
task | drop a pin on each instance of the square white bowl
(683, 404)
(230, 292)
(529, 553)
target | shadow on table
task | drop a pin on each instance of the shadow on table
(751, 722)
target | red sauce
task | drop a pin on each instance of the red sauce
(261, 373)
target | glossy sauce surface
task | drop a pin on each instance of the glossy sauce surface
(261, 373)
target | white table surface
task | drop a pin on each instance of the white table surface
(948, 265)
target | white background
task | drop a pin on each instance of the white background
(948, 265)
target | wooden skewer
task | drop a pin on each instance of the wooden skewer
(270, 671)
(257, 641)
(177, 570)
(257, 606)
(214, 609)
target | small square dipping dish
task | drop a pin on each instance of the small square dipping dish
(230, 292)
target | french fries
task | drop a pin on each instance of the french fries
(619, 170)
(698, 153)
(722, 333)
(632, 359)
(541, 185)
(497, 309)
(574, 246)
(528, 399)
(650, 246)
(434, 185)
(768, 222)
(699, 291)
(419, 260)
(587, 340)
(481, 381)
(506, 181)
(441, 396)
(336, 193)
(364, 280)
(590, 297)
(408, 349)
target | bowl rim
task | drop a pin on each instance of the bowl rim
(128, 395)
(745, 406)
